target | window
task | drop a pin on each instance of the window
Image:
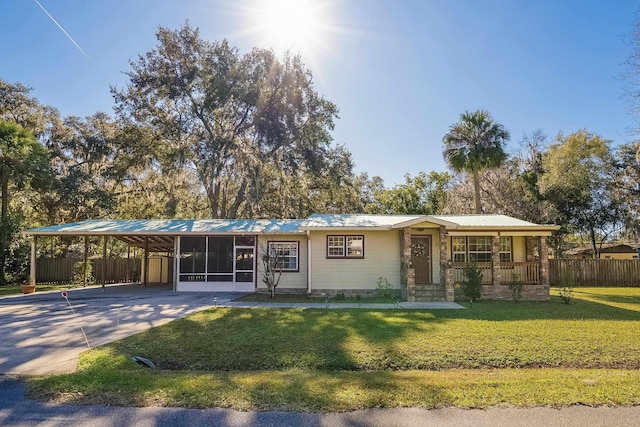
(506, 251)
(220, 255)
(345, 246)
(192, 254)
(355, 246)
(217, 258)
(459, 249)
(335, 246)
(479, 248)
(286, 254)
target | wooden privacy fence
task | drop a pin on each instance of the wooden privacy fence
(597, 272)
(60, 270)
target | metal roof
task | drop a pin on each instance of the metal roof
(355, 221)
(172, 227)
(484, 221)
(387, 222)
(175, 227)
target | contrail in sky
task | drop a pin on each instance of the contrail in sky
(62, 29)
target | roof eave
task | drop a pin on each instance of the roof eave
(338, 228)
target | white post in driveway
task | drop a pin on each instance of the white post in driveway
(32, 267)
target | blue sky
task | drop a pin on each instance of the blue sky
(401, 72)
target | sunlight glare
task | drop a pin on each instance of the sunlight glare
(295, 25)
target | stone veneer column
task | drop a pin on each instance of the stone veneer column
(495, 266)
(544, 262)
(446, 274)
(408, 288)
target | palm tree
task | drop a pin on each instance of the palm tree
(476, 142)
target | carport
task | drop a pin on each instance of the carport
(158, 261)
(216, 255)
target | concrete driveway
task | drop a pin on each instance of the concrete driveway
(40, 335)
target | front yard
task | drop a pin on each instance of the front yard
(494, 353)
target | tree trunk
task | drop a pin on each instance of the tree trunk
(476, 188)
(4, 227)
(596, 254)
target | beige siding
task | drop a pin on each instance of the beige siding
(381, 259)
(288, 280)
(519, 249)
(613, 255)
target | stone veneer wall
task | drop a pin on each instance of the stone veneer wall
(365, 293)
(502, 292)
(496, 276)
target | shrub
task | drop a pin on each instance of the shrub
(272, 269)
(472, 284)
(78, 274)
(566, 283)
(17, 250)
(384, 288)
(515, 287)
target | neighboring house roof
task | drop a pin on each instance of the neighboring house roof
(172, 227)
(609, 248)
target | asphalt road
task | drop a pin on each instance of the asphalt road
(15, 410)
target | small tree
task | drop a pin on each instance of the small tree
(272, 264)
(22, 161)
(566, 282)
(515, 287)
(82, 273)
(472, 285)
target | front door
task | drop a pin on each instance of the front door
(244, 268)
(421, 258)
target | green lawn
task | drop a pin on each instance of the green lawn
(497, 352)
(16, 289)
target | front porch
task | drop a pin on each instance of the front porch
(503, 262)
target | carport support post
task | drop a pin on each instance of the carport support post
(145, 272)
(32, 267)
(84, 265)
(104, 261)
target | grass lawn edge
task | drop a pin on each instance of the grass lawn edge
(339, 391)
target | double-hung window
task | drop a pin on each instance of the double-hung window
(506, 249)
(459, 249)
(478, 249)
(286, 255)
(345, 246)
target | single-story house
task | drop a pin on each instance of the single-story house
(607, 251)
(421, 256)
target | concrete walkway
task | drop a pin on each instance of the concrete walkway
(336, 305)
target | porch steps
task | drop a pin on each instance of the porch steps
(430, 293)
